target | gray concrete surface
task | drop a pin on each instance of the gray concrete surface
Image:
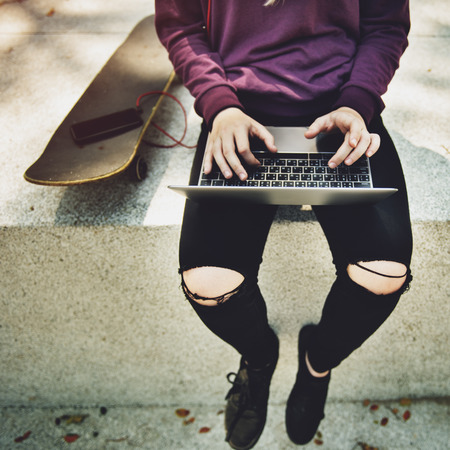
(90, 309)
(347, 426)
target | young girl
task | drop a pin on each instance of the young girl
(290, 63)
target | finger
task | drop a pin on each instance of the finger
(321, 124)
(356, 131)
(229, 152)
(359, 150)
(263, 133)
(208, 157)
(374, 145)
(341, 154)
(243, 148)
(220, 159)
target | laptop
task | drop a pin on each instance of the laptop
(298, 174)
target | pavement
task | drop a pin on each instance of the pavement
(49, 52)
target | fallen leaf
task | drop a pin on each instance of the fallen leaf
(69, 438)
(181, 412)
(318, 442)
(319, 435)
(50, 12)
(365, 446)
(384, 421)
(70, 419)
(405, 401)
(395, 410)
(189, 421)
(366, 402)
(374, 407)
(76, 418)
(204, 430)
(406, 415)
(22, 438)
(221, 411)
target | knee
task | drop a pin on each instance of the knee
(210, 286)
(379, 277)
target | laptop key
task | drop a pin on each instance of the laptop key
(361, 185)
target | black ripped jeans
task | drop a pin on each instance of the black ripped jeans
(234, 236)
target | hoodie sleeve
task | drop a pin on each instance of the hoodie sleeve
(181, 27)
(384, 27)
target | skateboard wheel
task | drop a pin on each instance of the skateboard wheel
(140, 169)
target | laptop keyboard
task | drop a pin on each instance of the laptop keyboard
(303, 170)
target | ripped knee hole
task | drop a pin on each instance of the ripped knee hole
(210, 286)
(380, 277)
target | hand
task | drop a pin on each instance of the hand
(357, 142)
(230, 134)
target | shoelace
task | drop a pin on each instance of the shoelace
(243, 389)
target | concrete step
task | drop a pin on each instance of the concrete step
(347, 425)
(91, 311)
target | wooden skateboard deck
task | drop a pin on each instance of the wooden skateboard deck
(138, 66)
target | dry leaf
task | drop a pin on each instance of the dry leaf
(181, 412)
(189, 421)
(69, 438)
(22, 438)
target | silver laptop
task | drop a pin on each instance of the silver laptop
(298, 174)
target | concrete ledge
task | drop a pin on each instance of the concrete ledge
(90, 308)
(95, 316)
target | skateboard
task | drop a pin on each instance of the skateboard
(140, 65)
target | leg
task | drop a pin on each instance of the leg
(221, 249)
(371, 247)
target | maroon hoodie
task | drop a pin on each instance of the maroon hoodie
(299, 58)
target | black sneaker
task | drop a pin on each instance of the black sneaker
(246, 410)
(306, 403)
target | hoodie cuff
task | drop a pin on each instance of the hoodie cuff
(361, 101)
(215, 100)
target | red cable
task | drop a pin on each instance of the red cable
(177, 141)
